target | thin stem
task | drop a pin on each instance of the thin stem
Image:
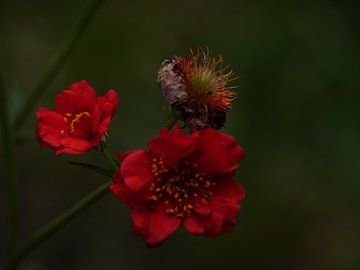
(172, 123)
(10, 169)
(57, 61)
(109, 159)
(56, 224)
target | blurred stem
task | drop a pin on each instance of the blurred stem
(172, 122)
(57, 61)
(56, 224)
(110, 160)
(10, 170)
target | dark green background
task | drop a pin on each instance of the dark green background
(297, 117)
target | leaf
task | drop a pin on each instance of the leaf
(91, 167)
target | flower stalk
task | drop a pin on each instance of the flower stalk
(9, 164)
(110, 160)
(56, 224)
(59, 222)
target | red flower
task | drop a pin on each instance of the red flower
(79, 121)
(182, 180)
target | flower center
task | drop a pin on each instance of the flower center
(180, 187)
(78, 124)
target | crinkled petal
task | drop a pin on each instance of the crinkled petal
(211, 153)
(172, 146)
(78, 99)
(71, 151)
(211, 224)
(127, 196)
(234, 152)
(76, 143)
(108, 103)
(193, 225)
(85, 88)
(153, 225)
(50, 125)
(136, 170)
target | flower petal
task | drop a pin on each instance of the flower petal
(85, 87)
(154, 225)
(108, 103)
(80, 98)
(227, 195)
(76, 144)
(235, 153)
(50, 125)
(136, 170)
(172, 146)
(213, 154)
(211, 224)
(71, 151)
(192, 225)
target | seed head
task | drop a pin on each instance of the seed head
(197, 87)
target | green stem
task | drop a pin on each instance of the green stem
(57, 61)
(38, 238)
(172, 122)
(10, 169)
(109, 159)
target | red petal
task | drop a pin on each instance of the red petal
(108, 103)
(154, 226)
(84, 88)
(235, 153)
(212, 223)
(136, 170)
(71, 151)
(103, 127)
(127, 196)
(192, 225)
(76, 101)
(172, 146)
(76, 144)
(227, 195)
(220, 214)
(122, 156)
(215, 153)
(49, 127)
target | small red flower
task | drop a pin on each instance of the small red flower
(79, 122)
(182, 180)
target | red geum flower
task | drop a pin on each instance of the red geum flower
(80, 120)
(182, 180)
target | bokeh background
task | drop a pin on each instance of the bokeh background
(297, 117)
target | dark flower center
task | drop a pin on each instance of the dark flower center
(79, 125)
(180, 187)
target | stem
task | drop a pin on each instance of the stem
(109, 159)
(10, 169)
(57, 61)
(172, 123)
(52, 227)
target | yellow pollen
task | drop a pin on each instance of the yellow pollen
(176, 187)
(154, 198)
(76, 119)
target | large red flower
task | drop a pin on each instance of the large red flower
(79, 121)
(182, 180)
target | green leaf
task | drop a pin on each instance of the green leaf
(91, 167)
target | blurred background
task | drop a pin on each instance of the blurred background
(297, 117)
